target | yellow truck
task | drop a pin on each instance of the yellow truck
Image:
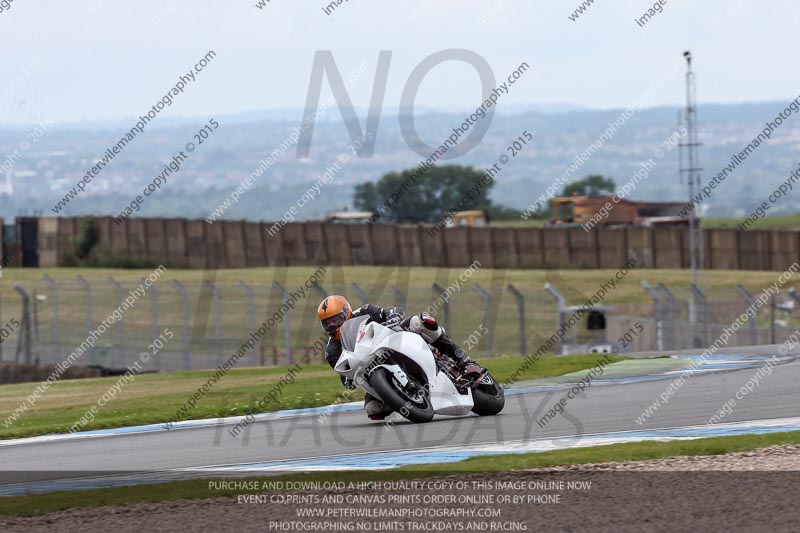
(613, 211)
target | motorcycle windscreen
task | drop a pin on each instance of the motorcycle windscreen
(349, 332)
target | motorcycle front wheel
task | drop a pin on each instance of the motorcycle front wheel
(412, 401)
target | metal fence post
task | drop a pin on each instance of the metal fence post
(217, 317)
(523, 350)
(56, 333)
(361, 293)
(560, 302)
(751, 322)
(703, 321)
(251, 310)
(287, 332)
(185, 317)
(89, 321)
(399, 295)
(446, 305)
(1, 321)
(154, 313)
(658, 321)
(671, 314)
(487, 317)
(251, 306)
(35, 301)
(25, 333)
(772, 320)
(317, 287)
(120, 325)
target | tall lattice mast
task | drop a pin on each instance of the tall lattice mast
(690, 166)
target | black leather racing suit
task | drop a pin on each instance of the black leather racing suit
(334, 348)
(433, 335)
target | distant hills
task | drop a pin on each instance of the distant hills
(44, 171)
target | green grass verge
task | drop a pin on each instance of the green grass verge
(154, 398)
(779, 221)
(199, 489)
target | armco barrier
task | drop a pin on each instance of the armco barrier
(236, 244)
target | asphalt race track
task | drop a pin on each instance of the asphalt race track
(307, 440)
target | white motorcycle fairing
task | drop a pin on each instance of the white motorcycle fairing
(374, 340)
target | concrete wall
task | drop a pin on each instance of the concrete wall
(236, 244)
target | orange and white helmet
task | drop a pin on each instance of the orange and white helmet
(332, 313)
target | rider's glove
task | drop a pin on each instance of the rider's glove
(423, 320)
(394, 315)
(428, 321)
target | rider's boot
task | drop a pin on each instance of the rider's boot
(434, 334)
(448, 347)
(376, 409)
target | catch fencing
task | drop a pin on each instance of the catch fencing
(211, 320)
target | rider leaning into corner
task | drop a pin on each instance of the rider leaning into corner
(335, 310)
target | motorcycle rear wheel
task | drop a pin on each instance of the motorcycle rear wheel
(387, 388)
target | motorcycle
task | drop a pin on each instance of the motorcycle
(411, 377)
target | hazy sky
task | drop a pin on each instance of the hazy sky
(109, 59)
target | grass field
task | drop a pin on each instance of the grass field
(466, 316)
(778, 221)
(199, 489)
(153, 398)
(466, 307)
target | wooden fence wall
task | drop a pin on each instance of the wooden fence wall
(180, 243)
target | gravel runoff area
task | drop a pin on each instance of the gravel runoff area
(748, 491)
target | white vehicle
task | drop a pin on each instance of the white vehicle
(401, 369)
